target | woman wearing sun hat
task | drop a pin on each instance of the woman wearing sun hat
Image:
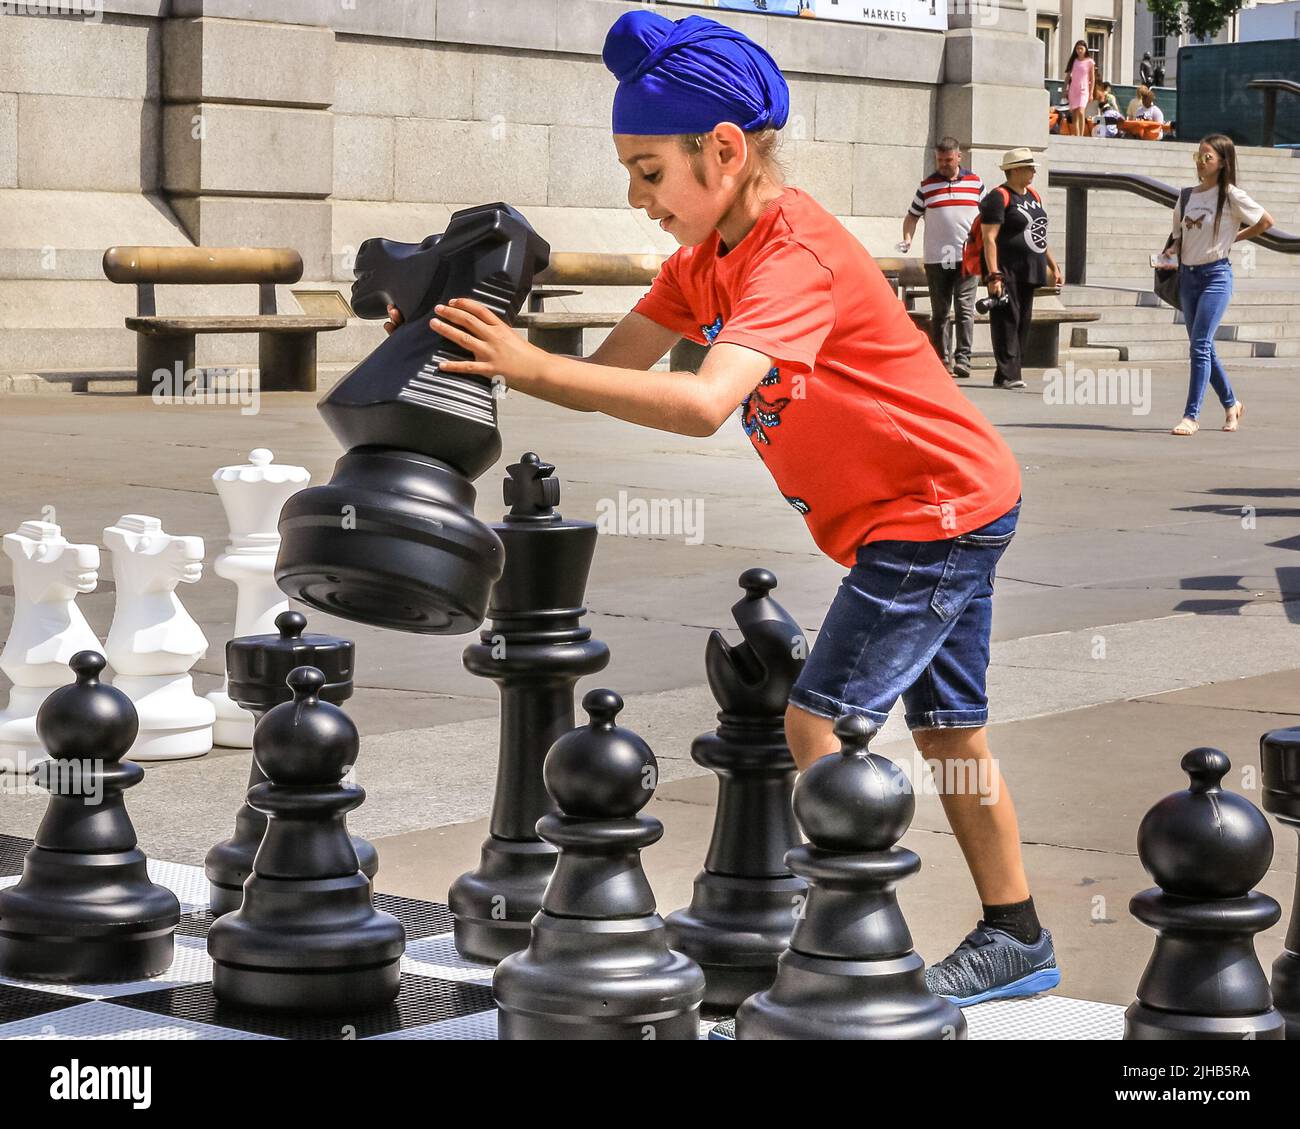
(1016, 259)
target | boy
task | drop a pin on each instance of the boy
(899, 478)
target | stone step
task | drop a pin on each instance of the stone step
(1163, 351)
(1281, 316)
(1103, 291)
(1118, 332)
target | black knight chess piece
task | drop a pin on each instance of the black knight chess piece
(258, 667)
(535, 650)
(307, 937)
(1279, 758)
(392, 539)
(1206, 849)
(598, 965)
(743, 908)
(85, 909)
(850, 971)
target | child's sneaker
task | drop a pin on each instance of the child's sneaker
(992, 965)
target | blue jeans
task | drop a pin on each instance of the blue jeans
(1205, 291)
(911, 619)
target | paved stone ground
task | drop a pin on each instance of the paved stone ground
(1150, 603)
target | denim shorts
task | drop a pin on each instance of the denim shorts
(911, 619)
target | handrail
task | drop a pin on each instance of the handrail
(1272, 87)
(1077, 183)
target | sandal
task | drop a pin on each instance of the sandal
(1234, 416)
(1186, 427)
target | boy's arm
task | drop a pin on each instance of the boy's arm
(636, 342)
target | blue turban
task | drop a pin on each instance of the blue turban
(686, 76)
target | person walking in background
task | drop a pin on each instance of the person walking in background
(1207, 221)
(948, 200)
(1080, 77)
(1013, 225)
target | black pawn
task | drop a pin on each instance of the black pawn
(258, 667)
(1279, 756)
(850, 971)
(1206, 849)
(535, 651)
(743, 908)
(306, 937)
(85, 909)
(598, 965)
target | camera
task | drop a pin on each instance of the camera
(990, 301)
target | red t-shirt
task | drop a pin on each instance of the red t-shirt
(858, 420)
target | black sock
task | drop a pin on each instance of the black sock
(1016, 918)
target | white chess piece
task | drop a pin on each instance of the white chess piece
(253, 496)
(48, 629)
(153, 642)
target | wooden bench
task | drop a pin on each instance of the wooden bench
(286, 342)
(1043, 349)
(561, 332)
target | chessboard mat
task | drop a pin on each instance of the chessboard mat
(442, 995)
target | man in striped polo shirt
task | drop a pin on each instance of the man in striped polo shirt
(948, 200)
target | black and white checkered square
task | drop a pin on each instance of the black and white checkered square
(442, 995)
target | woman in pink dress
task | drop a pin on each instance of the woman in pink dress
(1080, 77)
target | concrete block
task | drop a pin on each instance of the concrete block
(249, 150)
(211, 60)
(885, 179)
(101, 144)
(855, 50)
(363, 157)
(875, 112)
(988, 116)
(542, 90)
(51, 55)
(978, 55)
(470, 161)
(530, 24)
(403, 79)
(803, 109)
(822, 168)
(249, 221)
(319, 12)
(8, 140)
(584, 169)
(1000, 15)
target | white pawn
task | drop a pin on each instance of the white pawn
(153, 642)
(253, 496)
(48, 629)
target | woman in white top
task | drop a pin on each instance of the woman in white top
(1218, 213)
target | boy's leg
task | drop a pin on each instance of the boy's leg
(978, 805)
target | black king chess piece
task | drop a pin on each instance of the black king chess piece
(392, 539)
(85, 909)
(535, 651)
(1279, 758)
(307, 937)
(1206, 849)
(258, 667)
(598, 965)
(850, 971)
(743, 908)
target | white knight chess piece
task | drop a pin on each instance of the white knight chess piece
(252, 495)
(153, 642)
(48, 629)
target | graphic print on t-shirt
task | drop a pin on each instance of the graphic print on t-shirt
(756, 410)
(1035, 224)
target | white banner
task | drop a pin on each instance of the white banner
(896, 13)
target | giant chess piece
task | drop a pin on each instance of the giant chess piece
(259, 667)
(598, 965)
(85, 909)
(153, 641)
(252, 495)
(47, 630)
(392, 539)
(1279, 758)
(535, 651)
(740, 917)
(850, 971)
(307, 937)
(1206, 849)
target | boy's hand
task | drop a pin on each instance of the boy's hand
(497, 349)
(394, 319)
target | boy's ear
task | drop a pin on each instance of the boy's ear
(730, 143)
